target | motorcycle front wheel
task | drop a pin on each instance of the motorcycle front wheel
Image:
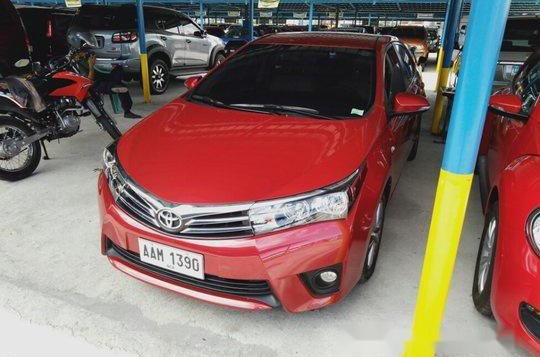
(24, 163)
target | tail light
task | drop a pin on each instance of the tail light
(49, 29)
(123, 37)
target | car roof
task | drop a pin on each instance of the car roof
(326, 38)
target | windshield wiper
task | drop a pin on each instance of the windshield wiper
(217, 103)
(308, 112)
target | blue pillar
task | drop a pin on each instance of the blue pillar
(249, 19)
(201, 14)
(310, 24)
(369, 19)
(142, 50)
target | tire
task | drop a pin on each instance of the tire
(374, 244)
(483, 272)
(414, 149)
(159, 76)
(31, 163)
(220, 57)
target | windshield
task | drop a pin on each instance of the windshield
(409, 32)
(331, 82)
(521, 35)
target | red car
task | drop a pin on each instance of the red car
(507, 276)
(266, 183)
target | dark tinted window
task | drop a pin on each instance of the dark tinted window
(393, 75)
(106, 17)
(168, 22)
(336, 82)
(521, 35)
(215, 31)
(6, 11)
(409, 32)
(187, 27)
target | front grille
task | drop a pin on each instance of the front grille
(230, 221)
(256, 289)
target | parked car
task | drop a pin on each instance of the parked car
(46, 28)
(415, 37)
(234, 45)
(176, 45)
(508, 263)
(13, 42)
(215, 31)
(521, 38)
(267, 182)
(434, 39)
(239, 32)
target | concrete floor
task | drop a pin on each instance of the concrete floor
(59, 295)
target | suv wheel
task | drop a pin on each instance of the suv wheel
(219, 58)
(159, 76)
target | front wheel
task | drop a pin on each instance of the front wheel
(17, 163)
(483, 273)
(220, 57)
(375, 237)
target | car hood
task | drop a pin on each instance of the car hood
(196, 154)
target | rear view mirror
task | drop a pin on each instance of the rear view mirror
(23, 62)
(407, 103)
(192, 82)
(508, 105)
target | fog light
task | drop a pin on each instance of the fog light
(328, 277)
(323, 281)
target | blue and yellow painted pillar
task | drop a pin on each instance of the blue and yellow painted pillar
(482, 45)
(201, 14)
(444, 64)
(142, 49)
(310, 23)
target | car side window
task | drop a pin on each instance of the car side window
(409, 65)
(187, 27)
(168, 22)
(393, 76)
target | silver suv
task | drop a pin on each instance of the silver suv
(175, 44)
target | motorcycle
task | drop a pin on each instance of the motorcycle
(47, 105)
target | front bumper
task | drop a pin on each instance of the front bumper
(515, 292)
(277, 259)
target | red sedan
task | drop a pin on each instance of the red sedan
(507, 277)
(266, 183)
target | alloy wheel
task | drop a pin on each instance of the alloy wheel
(159, 77)
(486, 255)
(375, 236)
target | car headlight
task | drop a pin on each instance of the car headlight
(108, 160)
(110, 167)
(322, 205)
(533, 230)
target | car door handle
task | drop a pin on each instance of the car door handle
(188, 41)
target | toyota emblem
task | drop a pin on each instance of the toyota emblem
(169, 221)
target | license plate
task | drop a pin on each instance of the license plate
(174, 259)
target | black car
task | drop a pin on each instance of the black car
(46, 29)
(13, 42)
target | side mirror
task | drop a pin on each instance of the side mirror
(192, 82)
(508, 105)
(406, 103)
(202, 33)
(23, 62)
